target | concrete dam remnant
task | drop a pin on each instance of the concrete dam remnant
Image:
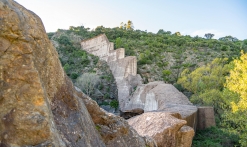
(154, 99)
(124, 69)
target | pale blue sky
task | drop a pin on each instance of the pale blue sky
(190, 17)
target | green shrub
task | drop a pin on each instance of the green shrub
(114, 104)
(74, 75)
(215, 137)
(106, 96)
(66, 67)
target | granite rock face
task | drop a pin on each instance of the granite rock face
(115, 131)
(167, 129)
(39, 105)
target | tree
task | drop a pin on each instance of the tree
(161, 31)
(209, 35)
(228, 38)
(128, 26)
(122, 25)
(119, 43)
(206, 83)
(237, 82)
(87, 82)
(177, 33)
(206, 77)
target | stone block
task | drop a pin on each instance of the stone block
(205, 117)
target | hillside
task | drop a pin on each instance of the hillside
(78, 63)
(162, 57)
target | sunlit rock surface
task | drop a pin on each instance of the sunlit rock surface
(167, 129)
(39, 105)
(158, 96)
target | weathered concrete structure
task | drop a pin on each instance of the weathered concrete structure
(124, 69)
(101, 47)
(206, 115)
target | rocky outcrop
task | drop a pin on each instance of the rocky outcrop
(114, 130)
(39, 105)
(158, 96)
(124, 69)
(167, 129)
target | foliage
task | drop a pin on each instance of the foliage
(228, 38)
(215, 137)
(207, 84)
(87, 83)
(161, 52)
(119, 43)
(114, 104)
(74, 75)
(97, 127)
(209, 35)
(162, 32)
(167, 51)
(166, 74)
(237, 82)
(177, 33)
(128, 26)
(50, 35)
(206, 77)
(66, 67)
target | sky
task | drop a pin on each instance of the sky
(189, 17)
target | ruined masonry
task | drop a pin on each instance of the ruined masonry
(123, 68)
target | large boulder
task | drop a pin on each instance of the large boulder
(155, 96)
(39, 105)
(158, 96)
(167, 129)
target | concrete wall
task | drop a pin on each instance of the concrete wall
(205, 117)
(98, 46)
(101, 47)
(124, 69)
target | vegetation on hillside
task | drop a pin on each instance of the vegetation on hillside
(163, 56)
(207, 69)
(88, 73)
(221, 84)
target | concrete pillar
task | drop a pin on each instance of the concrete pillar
(205, 117)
